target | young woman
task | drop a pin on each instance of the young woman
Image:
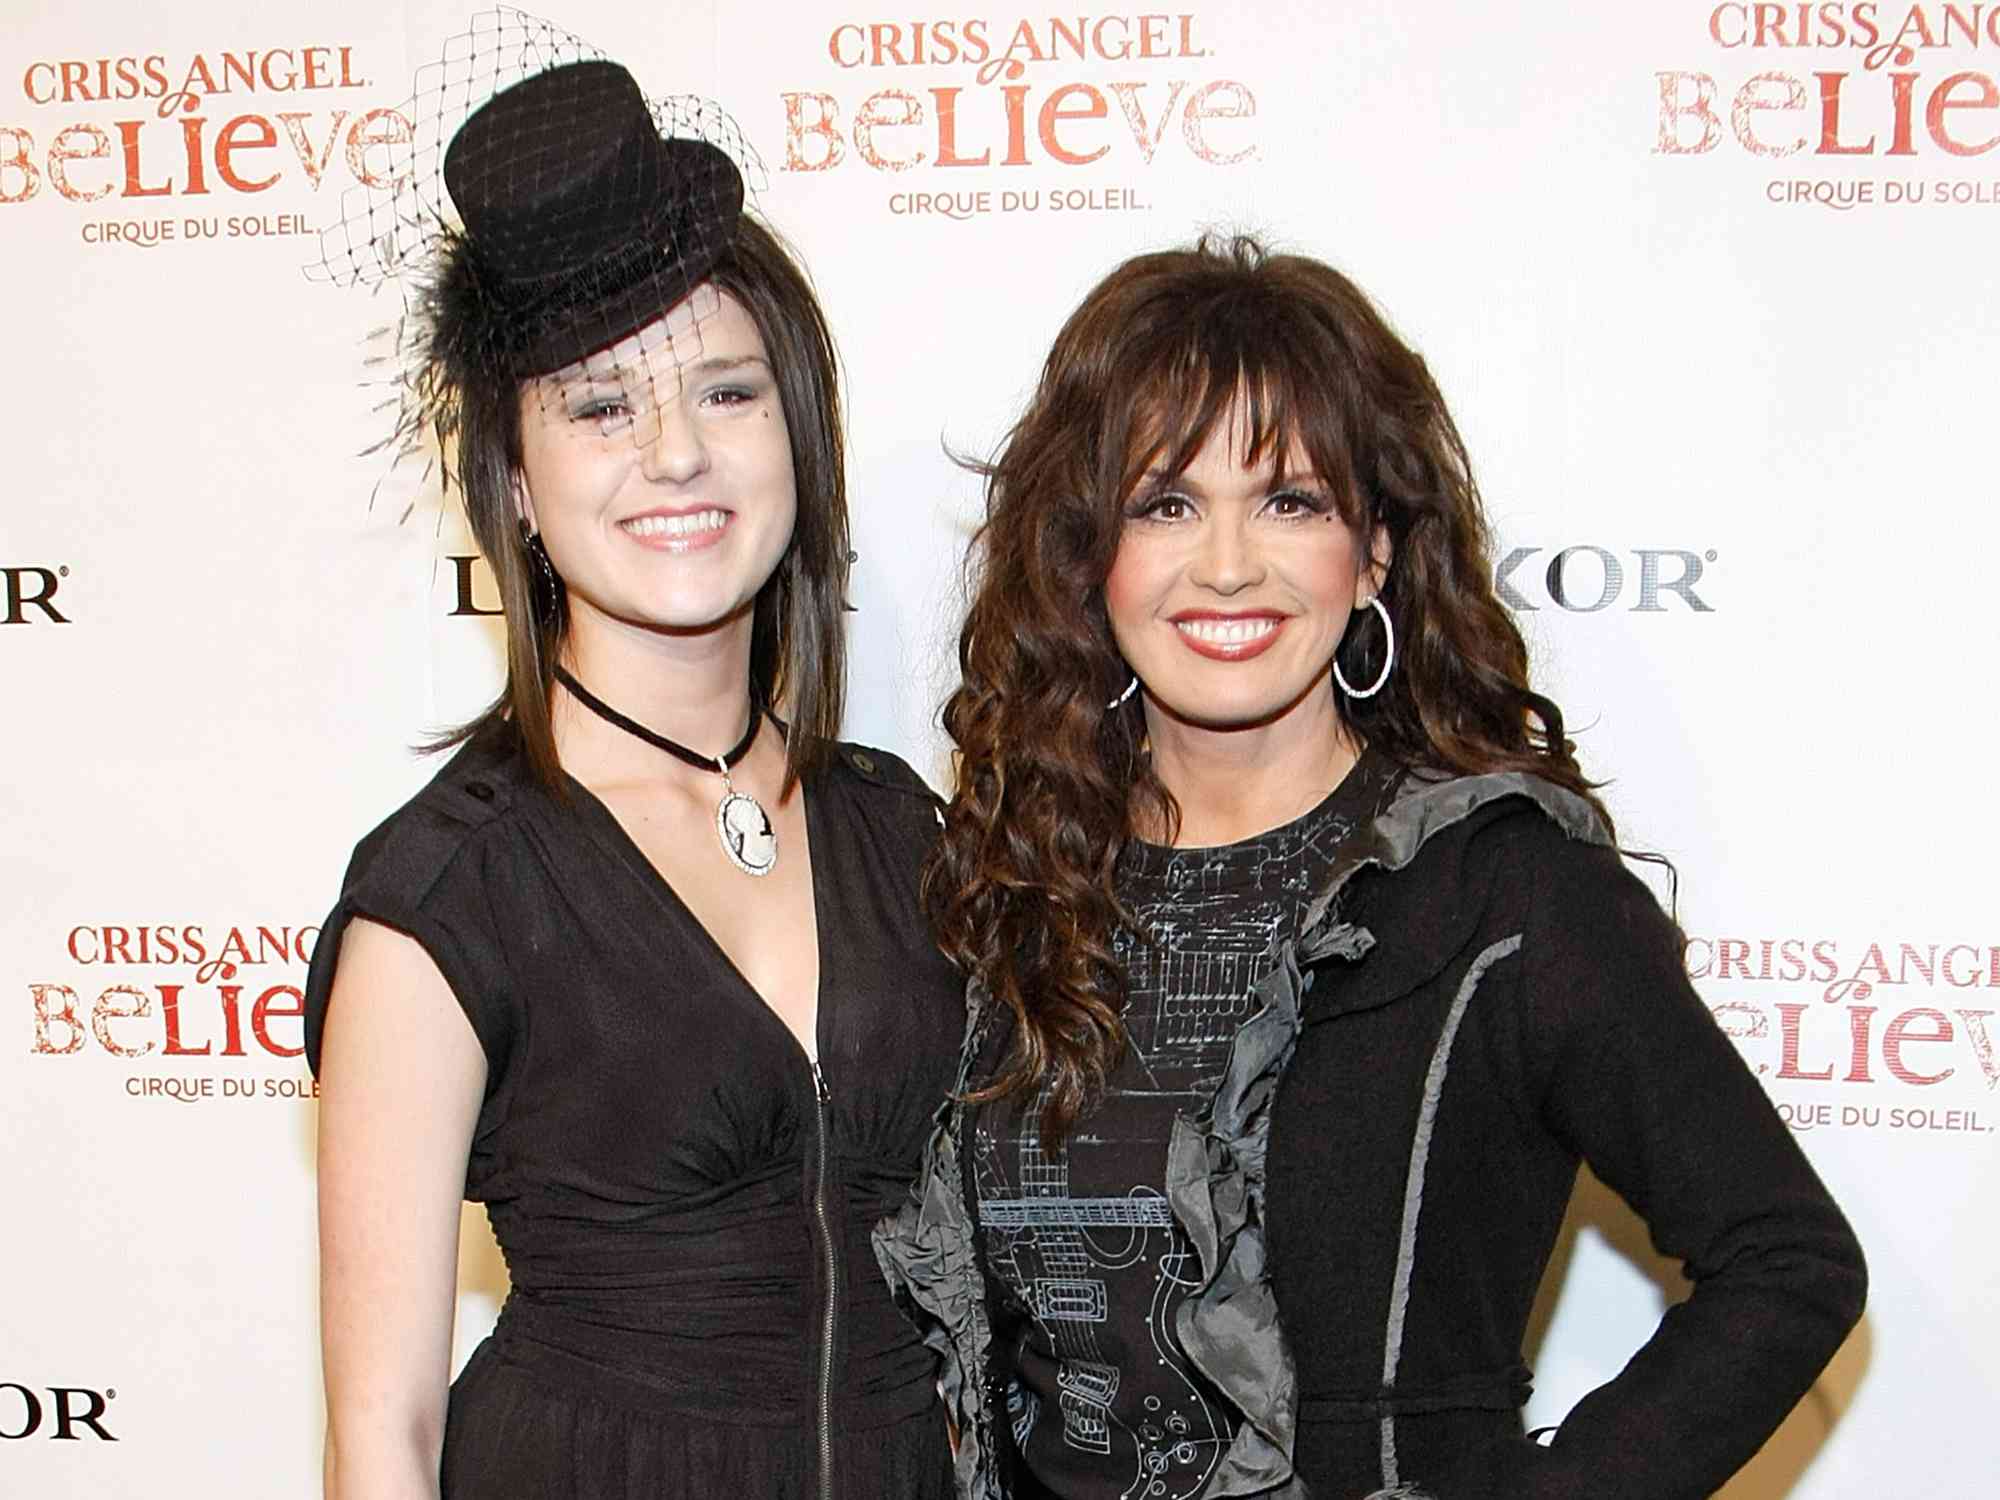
(1305, 970)
(642, 968)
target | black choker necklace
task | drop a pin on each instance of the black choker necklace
(741, 825)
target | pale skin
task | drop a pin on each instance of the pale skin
(1227, 596)
(659, 475)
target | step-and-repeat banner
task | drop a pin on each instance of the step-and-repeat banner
(1710, 288)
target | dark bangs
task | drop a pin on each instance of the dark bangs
(1210, 359)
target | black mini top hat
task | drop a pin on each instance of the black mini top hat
(581, 221)
(540, 208)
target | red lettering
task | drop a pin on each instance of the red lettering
(887, 110)
(1235, 102)
(1766, 92)
(63, 151)
(1788, 1032)
(17, 149)
(197, 165)
(1673, 110)
(282, 83)
(231, 140)
(108, 1010)
(232, 1020)
(821, 126)
(885, 41)
(263, 1012)
(1732, 953)
(313, 161)
(61, 1013)
(1902, 1030)
(1769, 21)
(1950, 973)
(1054, 110)
(378, 128)
(1829, 119)
(946, 103)
(1860, 1020)
(1902, 97)
(1987, 97)
(170, 1007)
(1147, 136)
(1015, 96)
(1974, 1022)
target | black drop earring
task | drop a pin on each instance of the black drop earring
(543, 585)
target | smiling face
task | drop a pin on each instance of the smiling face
(1232, 585)
(659, 473)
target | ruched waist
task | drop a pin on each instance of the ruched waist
(701, 1386)
(716, 1310)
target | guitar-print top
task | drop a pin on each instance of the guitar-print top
(1090, 1264)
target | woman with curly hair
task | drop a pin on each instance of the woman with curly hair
(1304, 968)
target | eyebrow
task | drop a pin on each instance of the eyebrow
(721, 364)
(637, 368)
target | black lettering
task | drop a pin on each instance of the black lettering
(462, 575)
(1509, 595)
(1614, 579)
(67, 1419)
(1651, 585)
(33, 1406)
(18, 598)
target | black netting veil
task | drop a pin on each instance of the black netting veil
(544, 223)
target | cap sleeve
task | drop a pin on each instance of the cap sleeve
(423, 873)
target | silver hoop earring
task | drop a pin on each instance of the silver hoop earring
(1120, 701)
(1388, 656)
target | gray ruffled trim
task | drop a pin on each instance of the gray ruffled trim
(1215, 1181)
(1425, 805)
(927, 1255)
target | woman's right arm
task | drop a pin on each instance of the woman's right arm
(401, 1080)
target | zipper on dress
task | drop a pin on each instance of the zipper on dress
(821, 1098)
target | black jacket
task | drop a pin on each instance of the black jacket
(1481, 997)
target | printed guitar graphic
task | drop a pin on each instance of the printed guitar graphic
(1054, 1246)
(1212, 928)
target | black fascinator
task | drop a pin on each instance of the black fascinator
(542, 209)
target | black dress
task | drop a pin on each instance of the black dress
(684, 1213)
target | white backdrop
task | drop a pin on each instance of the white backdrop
(1709, 288)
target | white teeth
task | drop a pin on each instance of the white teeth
(677, 526)
(1227, 632)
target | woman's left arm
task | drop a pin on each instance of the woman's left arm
(1632, 1073)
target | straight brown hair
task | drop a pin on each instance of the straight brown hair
(798, 642)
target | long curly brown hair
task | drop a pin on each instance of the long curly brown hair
(1050, 782)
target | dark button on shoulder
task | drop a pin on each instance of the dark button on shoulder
(479, 789)
(864, 763)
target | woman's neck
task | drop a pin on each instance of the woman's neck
(1232, 784)
(692, 687)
